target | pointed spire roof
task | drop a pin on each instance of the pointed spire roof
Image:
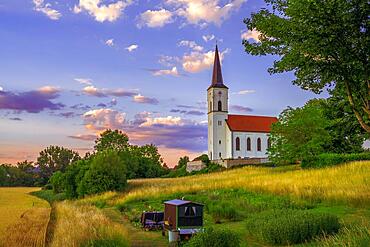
(217, 80)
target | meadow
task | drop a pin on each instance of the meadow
(23, 217)
(232, 197)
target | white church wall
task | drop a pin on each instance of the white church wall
(228, 142)
(243, 153)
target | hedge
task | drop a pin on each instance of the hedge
(332, 159)
(291, 226)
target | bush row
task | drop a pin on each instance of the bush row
(291, 226)
(212, 237)
(331, 159)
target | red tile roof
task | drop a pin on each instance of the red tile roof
(247, 123)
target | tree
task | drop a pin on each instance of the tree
(26, 166)
(107, 172)
(57, 180)
(113, 140)
(326, 43)
(300, 132)
(345, 132)
(73, 176)
(54, 159)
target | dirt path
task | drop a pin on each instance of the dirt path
(138, 237)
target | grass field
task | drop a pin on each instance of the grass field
(232, 196)
(23, 217)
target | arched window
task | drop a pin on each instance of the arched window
(210, 106)
(219, 105)
(259, 144)
(237, 144)
(269, 143)
(248, 144)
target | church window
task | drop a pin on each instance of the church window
(210, 106)
(219, 155)
(219, 105)
(269, 143)
(249, 144)
(219, 123)
(237, 144)
(219, 142)
(259, 144)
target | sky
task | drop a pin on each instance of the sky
(70, 69)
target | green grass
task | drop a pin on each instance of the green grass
(49, 195)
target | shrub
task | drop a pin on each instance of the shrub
(106, 173)
(331, 159)
(57, 180)
(291, 226)
(215, 238)
(223, 211)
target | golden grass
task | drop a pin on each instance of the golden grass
(23, 218)
(77, 224)
(29, 230)
(14, 202)
(349, 183)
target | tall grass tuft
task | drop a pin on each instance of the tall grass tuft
(83, 225)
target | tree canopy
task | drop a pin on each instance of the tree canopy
(111, 139)
(326, 44)
(54, 159)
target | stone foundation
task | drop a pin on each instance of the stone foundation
(195, 166)
(227, 163)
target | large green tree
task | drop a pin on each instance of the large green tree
(112, 140)
(54, 159)
(300, 132)
(325, 42)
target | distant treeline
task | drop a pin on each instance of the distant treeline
(138, 162)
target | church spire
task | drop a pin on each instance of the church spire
(217, 80)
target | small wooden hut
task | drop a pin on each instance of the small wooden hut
(180, 214)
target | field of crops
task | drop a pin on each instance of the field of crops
(23, 217)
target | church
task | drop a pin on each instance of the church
(233, 137)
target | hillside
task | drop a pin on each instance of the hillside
(234, 196)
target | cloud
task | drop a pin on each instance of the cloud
(240, 108)
(109, 42)
(93, 91)
(103, 92)
(167, 131)
(198, 61)
(192, 112)
(145, 100)
(49, 90)
(80, 106)
(69, 114)
(30, 101)
(85, 81)
(132, 47)
(168, 61)
(101, 119)
(155, 18)
(102, 12)
(242, 92)
(83, 137)
(161, 72)
(15, 119)
(191, 44)
(202, 12)
(196, 113)
(207, 38)
(1, 88)
(254, 35)
(45, 8)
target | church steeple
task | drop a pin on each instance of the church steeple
(217, 80)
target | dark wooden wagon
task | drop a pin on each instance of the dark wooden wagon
(152, 220)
